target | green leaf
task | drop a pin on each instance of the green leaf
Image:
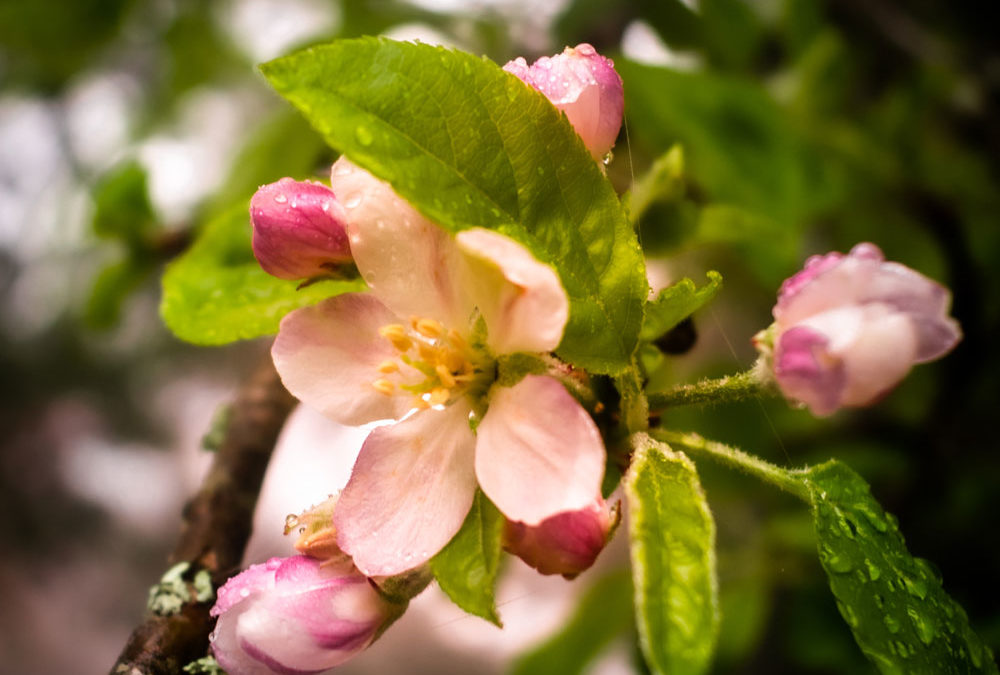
(900, 615)
(677, 302)
(672, 543)
(217, 293)
(634, 404)
(472, 146)
(121, 205)
(467, 568)
(111, 289)
(604, 612)
(664, 181)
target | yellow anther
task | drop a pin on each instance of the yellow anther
(429, 328)
(384, 386)
(388, 366)
(439, 396)
(396, 334)
(447, 379)
(421, 404)
(426, 352)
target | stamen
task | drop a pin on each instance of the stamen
(429, 328)
(396, 334)
(384, 386)
(447, 379)
(388, 366)
(439, 396)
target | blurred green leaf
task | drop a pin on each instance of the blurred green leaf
(217, 293)
(466, 569)
(900, 615)
(122, 209)
(111, 288)
(672, 542)
(472, 146)
(664, 181)
(677, 302)
(603, 613)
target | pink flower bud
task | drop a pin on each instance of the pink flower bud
(298, 230)
(584, 85)
(567, 543)
(296, 615)
(849, 328)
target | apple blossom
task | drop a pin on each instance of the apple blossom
(566, 543)
(441, 312)
(296, 615)
(584, 85)
(849, 328)
(298, 230)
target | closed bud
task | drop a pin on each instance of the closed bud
(584, 85)
(298, 230)
(849, 327)
(567, 543)
(297, 615)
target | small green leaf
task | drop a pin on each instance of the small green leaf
(900, 615)
(217, 293)
(663, 182)
(672, 542)
(467, 568)
(604, 612)
(122, 209)
(111, 289)
(472, 146)
(677, 302)
(634, 404)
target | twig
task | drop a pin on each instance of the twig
(217, 524)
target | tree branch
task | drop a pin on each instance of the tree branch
(217, 523)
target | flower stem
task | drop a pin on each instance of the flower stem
(736, 458)
(736, 387)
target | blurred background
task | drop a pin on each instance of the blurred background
(806, 126)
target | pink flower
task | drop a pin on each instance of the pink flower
(566, 543)
(584, 85)
(427, 337)
(294, 615)
(298, 230)
(849, 328)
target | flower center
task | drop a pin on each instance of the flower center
(434, 365)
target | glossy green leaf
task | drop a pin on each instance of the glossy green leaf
(466, 569)
(217, 293)
(672, 543)
(604, 613)
(472, 146)
(677, 302)
(894, 603)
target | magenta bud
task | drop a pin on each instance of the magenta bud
(584, 85)
(848, 328)
(567, 543)
(296, 615)
(298, 230)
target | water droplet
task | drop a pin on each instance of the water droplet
(915, 587)
(891, 624)
(326, 207)
(903, 649)
(839, 564)
(353, 202)
(291, 522)
(244, 592)
(873, 571)
(607, 158)
(926, 628)
(364, 135)
(849, 616)
(280, 198)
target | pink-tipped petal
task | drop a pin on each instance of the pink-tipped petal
(521, 300)
(584, 85)
(328, 357)
(298, 229)
(566, 543)
(538, 452)
(806, 372)
(406, 260)
(411, 488)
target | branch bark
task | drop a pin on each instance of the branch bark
(216, 526)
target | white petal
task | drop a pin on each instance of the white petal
(328, 356)
(411, 488)
(538, 452)
(407, 260)
(522, 300)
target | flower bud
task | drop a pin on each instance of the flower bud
(296, 615)
(298, 230)
(849, 328)
(567, 543)
(584, 85)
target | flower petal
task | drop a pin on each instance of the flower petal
(411, 488)
(806, 372)
(328, 356)
(538, 452)
(521, 300)
(407, 260)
